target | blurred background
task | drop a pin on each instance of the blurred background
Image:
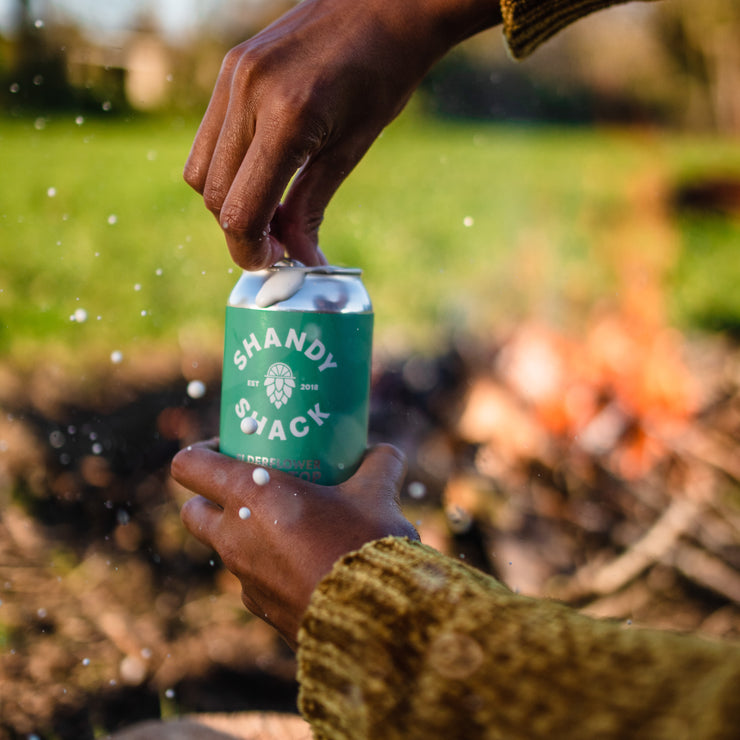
(552, 251)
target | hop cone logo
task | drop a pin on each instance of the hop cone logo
(279, 384)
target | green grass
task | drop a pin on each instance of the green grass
(454, 224)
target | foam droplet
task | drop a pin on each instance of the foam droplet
(196, 389)
(249, 425)
(260, 476)
(417, 489)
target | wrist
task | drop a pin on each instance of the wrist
(434, 25)
(457, 20)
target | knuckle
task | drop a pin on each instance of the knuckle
(213, 198)
(233, 59)
(194, 176)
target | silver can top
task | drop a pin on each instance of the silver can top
(291, 286)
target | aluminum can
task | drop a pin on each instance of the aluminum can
(296, 372)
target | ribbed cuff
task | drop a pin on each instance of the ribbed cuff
(402, 643)
(529, 23)
(367, 633)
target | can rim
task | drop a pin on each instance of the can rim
(314, 269)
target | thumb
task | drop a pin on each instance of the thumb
(297, 221)
(380, 475)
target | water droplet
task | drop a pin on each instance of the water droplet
(244, 513)
(112, 219)
(56, 439)
(260, 476)
(40, 123)
(106, 105)
(51, 192)
(97, 448)
(80, 120)
(224, 225)
(249, 425)
(38, 23)
(151, 155)
(143, 313)
(14, 88)
(38, 80)
(41, 613)
(137, 286)
(123, 517)
(158, 271)
(86, 661)
(116, 357)
(80, 316)
(170, 693)
(196, 389)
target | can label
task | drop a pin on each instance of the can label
(303, 378)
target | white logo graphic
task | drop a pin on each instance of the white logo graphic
(279, 384)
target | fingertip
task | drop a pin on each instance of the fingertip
(194, 175)
(383, 459)
(252, 254)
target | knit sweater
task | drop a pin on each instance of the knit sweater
(528, 23)
(400, 641)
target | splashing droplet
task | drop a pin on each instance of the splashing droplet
(260, 476)
(249, 425)
(417, 490)
(196, 389)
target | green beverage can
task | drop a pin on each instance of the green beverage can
(296, 372)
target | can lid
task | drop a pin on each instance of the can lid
(296, 286)
(288, 265)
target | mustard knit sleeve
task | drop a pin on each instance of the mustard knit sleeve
(528, 23)
(400, 641)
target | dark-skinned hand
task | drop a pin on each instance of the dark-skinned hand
(295, 530)
(309, 94)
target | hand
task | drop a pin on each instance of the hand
(295, 531)
(310, 94)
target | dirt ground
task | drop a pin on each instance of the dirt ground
(613, 486)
